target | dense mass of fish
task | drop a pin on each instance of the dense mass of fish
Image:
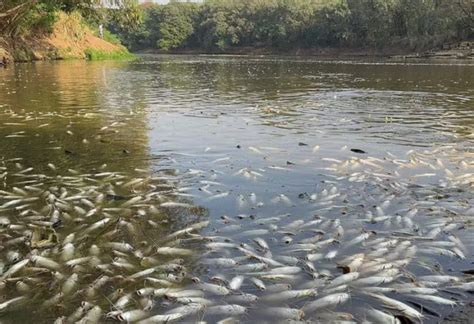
(375, 231)
(84, 244)
(224, 237)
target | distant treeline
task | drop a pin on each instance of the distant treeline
(285, 24)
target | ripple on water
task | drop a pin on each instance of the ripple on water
(211, 187)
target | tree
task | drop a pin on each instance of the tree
(30, 13)
(224, 24)
(11, 12)
(176, 24)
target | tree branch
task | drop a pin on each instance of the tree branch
(16, 9)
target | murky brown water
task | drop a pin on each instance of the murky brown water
(248, 139)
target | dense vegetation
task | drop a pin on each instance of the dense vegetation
(23, 17)
(282, 24)
(224, 24)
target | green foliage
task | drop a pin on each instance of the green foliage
(175, 24)
(328, 27)
(111, 38)
(22, 16)
(129, 17)
(223, 24)
(95, 55)
(41, 17)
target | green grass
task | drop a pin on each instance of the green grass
(111, 38)
(95, 55)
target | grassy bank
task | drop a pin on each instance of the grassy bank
(95, 55)
(69, 38)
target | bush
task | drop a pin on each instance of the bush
(96, 55)
(41, 18)
(111, 38)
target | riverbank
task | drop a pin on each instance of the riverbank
(70, 38)
(462, 50)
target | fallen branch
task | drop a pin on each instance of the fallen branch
(16, 9)
(11, 16)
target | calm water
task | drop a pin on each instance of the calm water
(233, 135)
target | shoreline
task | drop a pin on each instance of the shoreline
(37, 51)
(466, 53)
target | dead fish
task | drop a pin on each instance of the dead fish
(344, 279)
(380, 317)
(290, 294)
(236, 282)
(327, 301)
(45, 262)
(230, 310)
(174, 251)
(214, 289)
(400, 307)
(172, 204)
(162, 318)
(283, 313)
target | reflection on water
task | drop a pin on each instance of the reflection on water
(302, 168)
(51, 108)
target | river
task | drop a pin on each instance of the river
(296, 171)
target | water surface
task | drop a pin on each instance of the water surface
(249, 138)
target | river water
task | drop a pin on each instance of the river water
(295, 170)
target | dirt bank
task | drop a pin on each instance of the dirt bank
(69, 39)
